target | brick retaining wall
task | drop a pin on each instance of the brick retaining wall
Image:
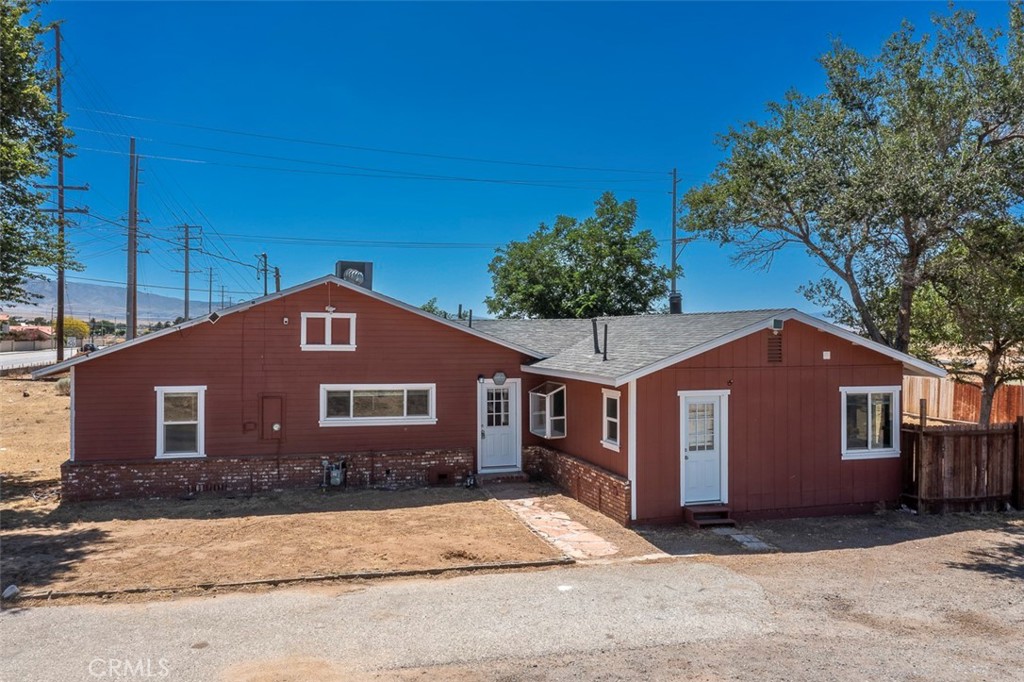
(175, 477)
(595, 487)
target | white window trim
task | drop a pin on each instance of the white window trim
(378, 421)
(607, 393)
(327, 345)
(546, 434)
(877, 453)
(201, 424)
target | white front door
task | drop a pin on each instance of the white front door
(498, 436)
(704, 440)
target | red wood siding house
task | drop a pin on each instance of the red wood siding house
(768, 412)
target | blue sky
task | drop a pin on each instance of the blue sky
(623, 87)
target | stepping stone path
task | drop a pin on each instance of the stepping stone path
(746, 540)
(572, 538)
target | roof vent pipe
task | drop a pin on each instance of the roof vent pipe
(597, 346)
(605, 359)
(675, 303)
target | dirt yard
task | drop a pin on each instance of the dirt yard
(171, 543)
(34, 440)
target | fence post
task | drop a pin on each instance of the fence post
(1018, 465)
(919, 456)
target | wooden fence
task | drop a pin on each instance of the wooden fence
(951, 400)
(962, 467)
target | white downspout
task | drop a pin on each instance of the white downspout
(631, 447)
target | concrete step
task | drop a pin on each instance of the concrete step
(506, 477)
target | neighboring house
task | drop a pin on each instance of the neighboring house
(32, 332)
(767, 412)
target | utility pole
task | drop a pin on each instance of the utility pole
(131, 302)
(263, 268)
(209, 305)
(675, 299)
(61, 209)
(222, 297)
(277, 278)
(188, 270)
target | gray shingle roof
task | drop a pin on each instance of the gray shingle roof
(548, 337)
(634, 342)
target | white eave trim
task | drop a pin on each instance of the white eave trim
(911, 365)
(245, 305)
(565, 374)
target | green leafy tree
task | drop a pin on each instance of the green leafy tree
(971, 317)
(31, 134)
(580, 268)
(880, 173)
(432, 307)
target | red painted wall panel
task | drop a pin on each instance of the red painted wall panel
(784, 425)
(584, 425)
(253, 353)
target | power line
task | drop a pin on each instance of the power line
(379, 176)
(369, 169)
(381, 150)
(150, 286)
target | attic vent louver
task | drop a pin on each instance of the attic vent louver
(775, 348)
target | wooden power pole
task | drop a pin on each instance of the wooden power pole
(675, 299)
(188, 268)
(61, 209)
(131, 297)
(264, 268)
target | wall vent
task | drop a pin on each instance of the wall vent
(775, 348)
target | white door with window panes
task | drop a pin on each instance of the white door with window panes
(498, 438)
(704, 420)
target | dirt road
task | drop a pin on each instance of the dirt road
(766, 618)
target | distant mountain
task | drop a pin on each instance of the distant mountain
(102, 302)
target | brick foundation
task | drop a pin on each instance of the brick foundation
(595, 487)
(107, 480)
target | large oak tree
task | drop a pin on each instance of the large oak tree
(881, 172)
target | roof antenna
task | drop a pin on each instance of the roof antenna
(597, 346)
(605, 359)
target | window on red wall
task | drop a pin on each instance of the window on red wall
(328, 331)
(610, 419)
(870, 421)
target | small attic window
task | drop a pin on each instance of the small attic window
(775, 348)
(328, 331)
(547, 410)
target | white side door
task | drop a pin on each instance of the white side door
(704, 444)
(498, 435)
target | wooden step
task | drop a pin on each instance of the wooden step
(708, 515)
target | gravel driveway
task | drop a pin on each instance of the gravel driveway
(391, 625)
